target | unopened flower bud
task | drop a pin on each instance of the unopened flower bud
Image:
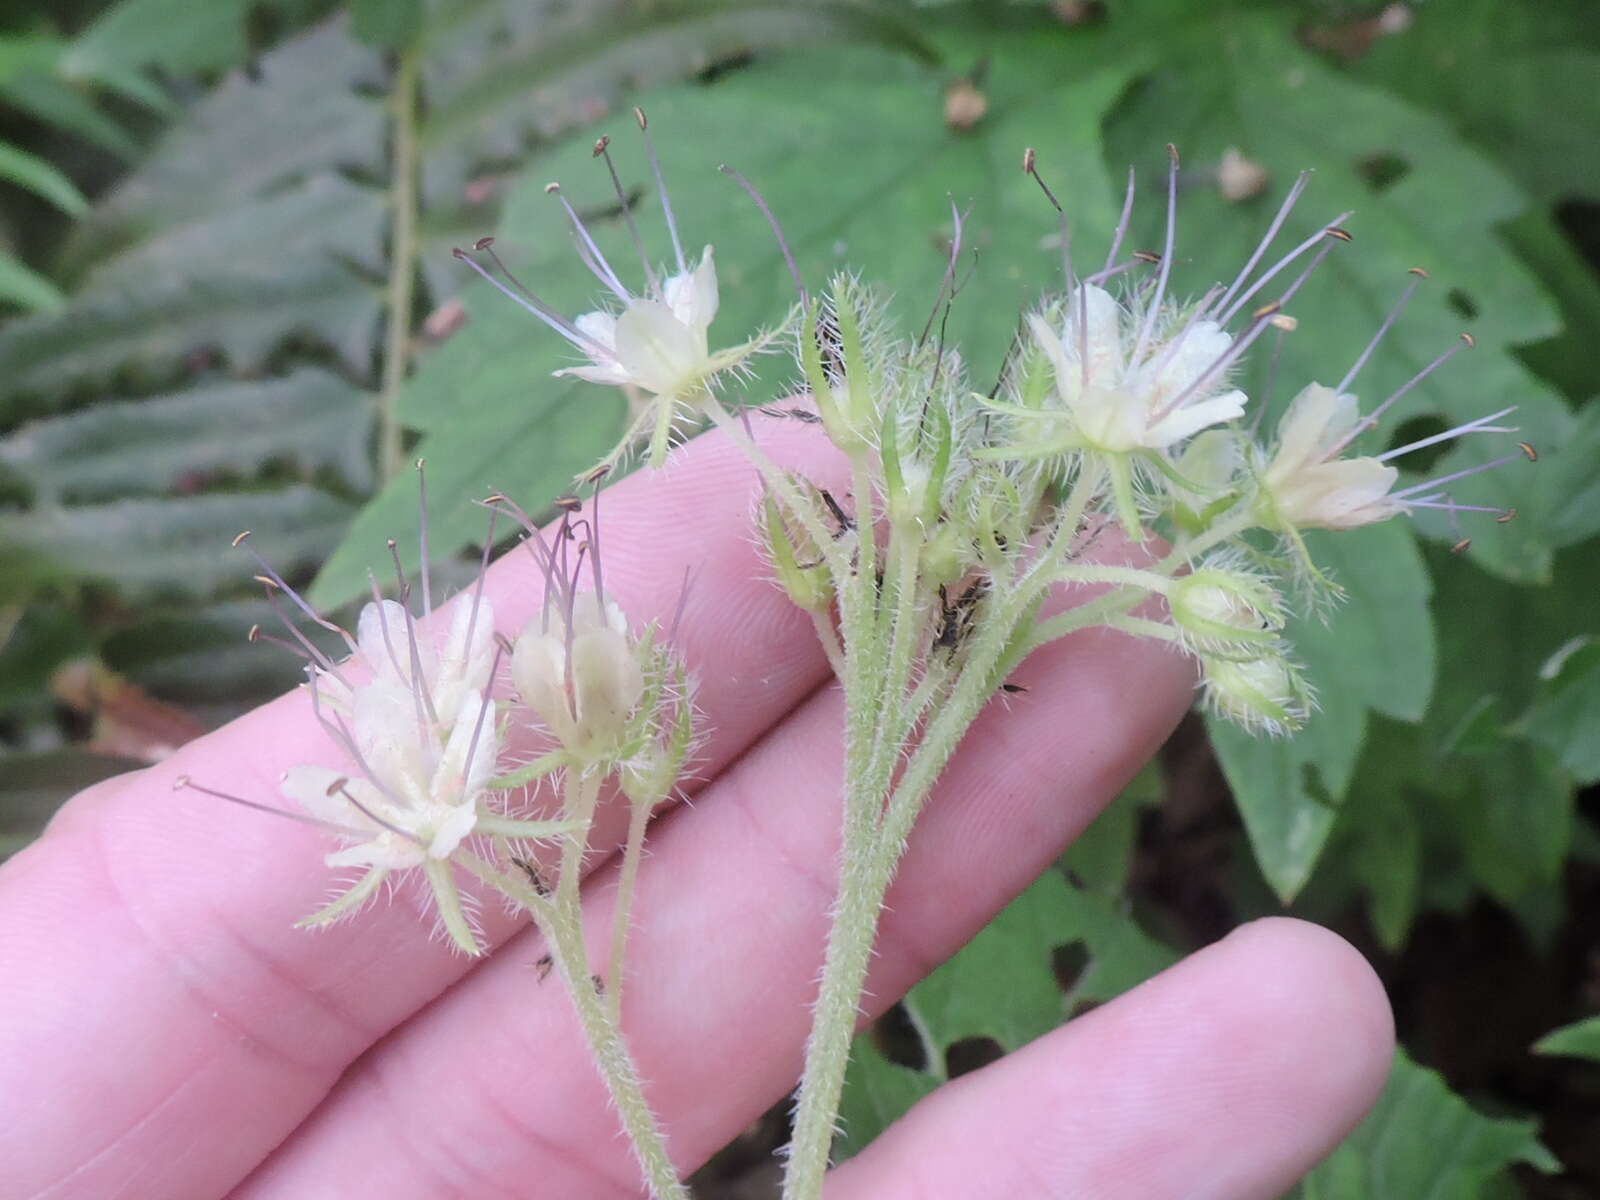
(1264, 693)
(1222, 609)
(797, 561)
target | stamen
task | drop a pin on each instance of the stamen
(276, 581)
(419, 683)
(477, 588)
(1153, 310)
(1122, 226)
(422, 539)
(339, 787)
(1478, 425)
(1451, 478)
(1267, 239)
(533, 304)
(184, 784)
(1461, 546)
(1030, 167)
(777, 230)
(1528, 450)
(594, 540)
(1388, 323)
(483, 709)
(602, 150)
(1370, 421)
(949, 273)
(661, 187)
(1330, 230)
(683, 602)
(591, 254)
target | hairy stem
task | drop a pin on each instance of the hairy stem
(399, 295)
(627, 880)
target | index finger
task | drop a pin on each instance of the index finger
(154, 973)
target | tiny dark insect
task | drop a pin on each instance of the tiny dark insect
(1013, 689)
(804, 415)
(543, 967)
(845, 520)
(535, 876)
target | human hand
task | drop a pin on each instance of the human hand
(167, 1033)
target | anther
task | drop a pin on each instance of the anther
(1506, 517)
(1527, 449)
(1342, 235)
(600, 146)
(1461, 546)
(638, 115)
(239, 539)
(254, 635)
(267, 582)
(569, 504)
(483, 243)
(551, 188)
(1266, 310)
(1284, 322)
(1419, 272)
(1472, 342)
(1147, 256)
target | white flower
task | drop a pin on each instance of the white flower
(1306, 486)
(1147, 395)
(583, 682)
(658, 343)
(420, 800)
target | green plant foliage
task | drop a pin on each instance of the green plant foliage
(1565, 717)
(1578, 1040)
(31, 787)
(1001, 986)
(1424, 1140)
(172, 34)
(775, 124)
(170, 546)
(309, 418)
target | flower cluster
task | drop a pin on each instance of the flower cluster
(431, 767)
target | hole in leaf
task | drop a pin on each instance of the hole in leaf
(1464, 305)
(971, 1053)
(1580, 221)
(1382, 171)
(1415, 430)
(1068, 963)
(897, 1038)
(725, 66)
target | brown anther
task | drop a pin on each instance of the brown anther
(638, 115)
(495, 498)
(1419, 272)
(483, 243)
(1147, 256)
(1028, 160)
(596, 474)
(1506, 517)
(1284, 322)
(1472, 342)
(569, 504)
(600, 146)
(551, 188)
(337, 786)
(1266, 310)
(391, 543)
(266, 581)
(254, 635)
(1461, 546)
(240, 538)
(1172, 153)
(1527, 448)
(1342, 235)
(181, 782)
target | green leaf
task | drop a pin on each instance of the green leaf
(1516, 79)
(1566, 716)
(1238, 78)
(387, 23)
(177, 546)
(1424, 1140)
(30, 80)
(242, 280)
(223, 153)
(42, 179)
(1578, 1040)
(310, 418)
(786, 124)
(531, 459)
(176, 35)
(27, 288)
(1289, 792)
(1002, 986)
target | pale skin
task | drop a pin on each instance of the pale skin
(165, 1031)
